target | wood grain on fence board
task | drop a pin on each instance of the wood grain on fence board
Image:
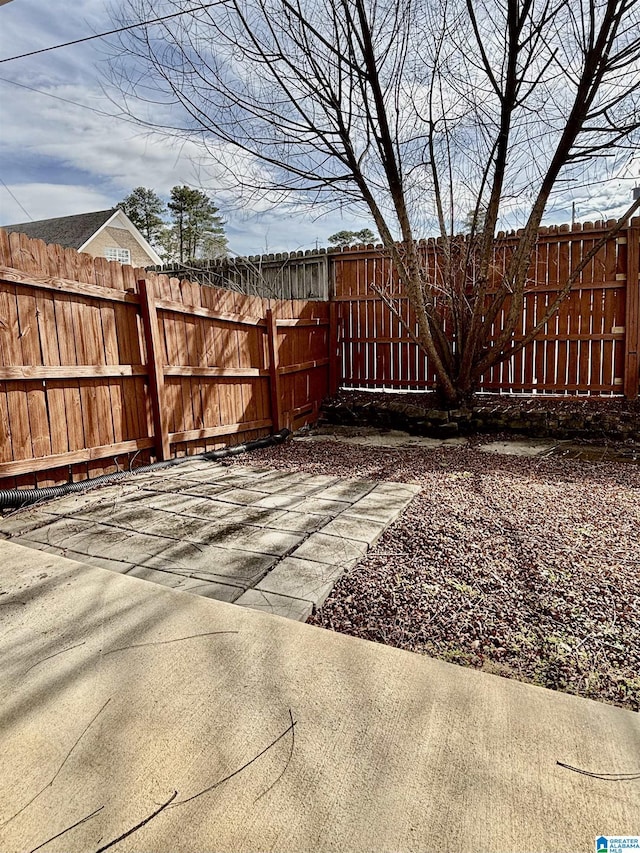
(586, 347)
(74, 365)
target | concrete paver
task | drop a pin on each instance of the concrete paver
(168, 501)
(382, 507)
(118, 693)
(220, 531)
(242, 568)
(320, 506)
(260, 540)
(20, 523)
(100, 540)
(194, 585)
(199, 506)
(244, 497)
(358, 529)
(298, 578)
(335, 550)
(166, 484)
(525, 447)
(375, 437)
(276, 605)
(297, 522)
(347, 490)
(280, 501)
(205, 490)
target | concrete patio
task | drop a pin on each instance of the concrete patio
(267, 539)
(181, 724)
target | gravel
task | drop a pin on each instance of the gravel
(528, 568)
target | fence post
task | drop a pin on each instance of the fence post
(334, 352)
(632, 316)
(156, 370)
(274, 373)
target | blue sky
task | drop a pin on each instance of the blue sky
(57, 159)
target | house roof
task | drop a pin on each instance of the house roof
(72, 232)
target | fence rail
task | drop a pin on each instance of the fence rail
(591, 345)
(99, 361)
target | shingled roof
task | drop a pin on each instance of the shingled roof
(68, 231)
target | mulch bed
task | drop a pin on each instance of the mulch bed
(529, 568)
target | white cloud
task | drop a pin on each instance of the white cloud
(90, 162)
(44, 201)
(60, 159)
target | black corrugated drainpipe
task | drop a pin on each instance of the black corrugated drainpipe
(13, 498)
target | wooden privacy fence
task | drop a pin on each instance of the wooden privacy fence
(101, 363)
(294, 275)
(591, 345)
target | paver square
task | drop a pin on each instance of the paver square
(58, 531)
(72, 504)
(318, 506)
(138, 518)
(226, 514)
(276, 605)
(296, 522)
(244, 497)
(21, 522)
(346, 490)
(120, 566)
(187, 504)
(360, 529)
(398, 490)
(279, 501)
(331, 549)
(186, 528)
(173, 484)
(383, 507)
(210, 589)
(260, 540)
(102, 541)
(290, 482)
(210, 562)
(213, 474)
(206, 490)
(304, 579)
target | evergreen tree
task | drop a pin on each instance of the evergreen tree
(146, 210)
(352, 238)
(198, 229)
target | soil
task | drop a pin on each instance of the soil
(528, 568)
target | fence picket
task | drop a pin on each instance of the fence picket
(583, 348)
(225, 372)
(84, 317)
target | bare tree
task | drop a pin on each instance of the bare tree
(417, 112)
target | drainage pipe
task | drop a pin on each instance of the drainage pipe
(13, 498)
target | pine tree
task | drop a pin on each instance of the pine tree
(197, 229)
(146, 210)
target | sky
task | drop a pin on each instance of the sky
(59, 159)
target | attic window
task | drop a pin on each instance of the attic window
(115, 254)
